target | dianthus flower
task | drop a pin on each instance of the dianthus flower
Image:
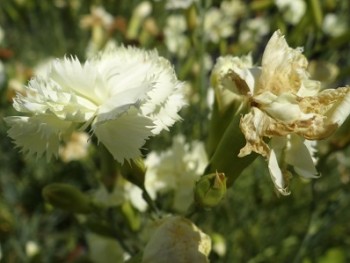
(125, 95)
(287, 110)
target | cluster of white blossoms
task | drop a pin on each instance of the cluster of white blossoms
(219, 21)
(176, 39)
(292, 10)
(287, 109)
(176, 169)
(253, 30)
(124, 95)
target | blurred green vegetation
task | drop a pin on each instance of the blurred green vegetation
(310, 225)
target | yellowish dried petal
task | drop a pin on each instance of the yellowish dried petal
(231, 78)
(253, 126)
(330, 108)
(283, 68)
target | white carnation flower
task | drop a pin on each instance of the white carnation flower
(125, 94)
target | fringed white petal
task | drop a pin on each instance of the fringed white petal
(124, 136)
(38, 134)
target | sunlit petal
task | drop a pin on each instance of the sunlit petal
(124, 136)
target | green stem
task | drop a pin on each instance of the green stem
(134, 171)
(146, 196)
(309, 229)
(202, 6)
(225, 158)
(192, 210)
(108, 168)
(119, 235)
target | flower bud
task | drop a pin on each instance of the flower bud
(134, 171)
(178, 240)
(227, 81)
(67, 197)
(210, 189)
(227, 150)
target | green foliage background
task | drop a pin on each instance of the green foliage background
(310, 225)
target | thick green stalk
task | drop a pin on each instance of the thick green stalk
(225, 158)
(108, 168)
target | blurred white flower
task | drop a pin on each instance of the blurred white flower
(292, 10)
(334, 25)
(253, 30)
(100, 22)
(32, 248)
(175, 38)
(217, 25)
(219, 22)
(176, 169)
(123, 191)
(285, 104)
(43, 67)
(233, 8)
(125, 95)
(133, 194)
(219, 244)
(75, 148)
(98, 17)
(323, 71)
(177, 239)
(138, 18)
(179, 4)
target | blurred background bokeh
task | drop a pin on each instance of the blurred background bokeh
(252, 224)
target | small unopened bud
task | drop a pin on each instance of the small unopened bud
(134, 172)
(210, 189)
(67, 197)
